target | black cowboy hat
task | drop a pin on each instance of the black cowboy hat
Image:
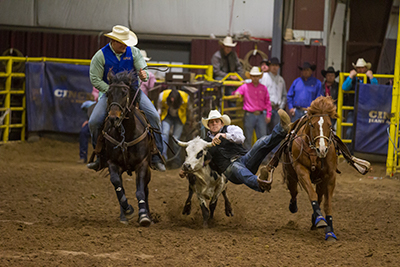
(307, 65)
(274, 61)
(330, 70)
(265, 60)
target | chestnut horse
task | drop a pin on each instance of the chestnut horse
(310, 159)
(127, 143)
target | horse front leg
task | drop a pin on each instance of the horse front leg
(143, 176)
(329, 234)
(115, 178)
(317, 219)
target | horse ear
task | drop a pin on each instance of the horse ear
(110, 75)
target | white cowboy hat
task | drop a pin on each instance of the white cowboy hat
(144, 55)
(361, 63)
(228, 42)
(123, 35)
(214, 114)
(255, 71)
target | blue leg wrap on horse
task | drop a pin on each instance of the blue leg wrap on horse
(319, 218)
(330, 234)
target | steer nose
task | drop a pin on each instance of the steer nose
(186, 166)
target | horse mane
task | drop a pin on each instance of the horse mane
(323, 105)
(127, 77)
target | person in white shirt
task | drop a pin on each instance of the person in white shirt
(276, 88)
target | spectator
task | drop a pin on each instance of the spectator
(277, 91)
(121, 55)
(350, 84)
(303, 91)
(330, 86)
(264, 66)
(149, 84)
(84, 133)
(256, 105)
(172, 107)
(225, 60)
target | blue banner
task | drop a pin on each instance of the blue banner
(55, 93)
(372, 118)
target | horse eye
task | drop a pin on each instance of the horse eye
(199, 155)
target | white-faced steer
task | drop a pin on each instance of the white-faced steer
(206, 183)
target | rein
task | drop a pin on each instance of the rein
(122, 144)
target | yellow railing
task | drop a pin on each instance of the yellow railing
(341, 108)
(392, 164)
(8, 90)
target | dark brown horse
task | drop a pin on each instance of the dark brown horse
(311, 159)
(127, 144)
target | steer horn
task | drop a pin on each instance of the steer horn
(180, 143)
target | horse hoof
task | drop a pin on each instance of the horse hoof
(124, 221)
(293, 207)
(320, 222)
(144, 220)
(331, 237)
(129, 212)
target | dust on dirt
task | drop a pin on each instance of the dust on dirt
(55, 212)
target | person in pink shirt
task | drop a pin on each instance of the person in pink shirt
(146, 86)
(256, 105)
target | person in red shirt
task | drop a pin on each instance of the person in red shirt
(256, 105)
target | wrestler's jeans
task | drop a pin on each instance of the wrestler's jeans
(243, 170)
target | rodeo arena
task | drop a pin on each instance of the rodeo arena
(122, 123)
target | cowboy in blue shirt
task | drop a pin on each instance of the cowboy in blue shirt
(303, 91)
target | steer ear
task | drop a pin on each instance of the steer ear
(209, 144)
(180, 143)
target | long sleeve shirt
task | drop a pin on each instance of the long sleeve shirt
(233, 134)
(222, 65)
(97, 68)
(347, 84)
(276, 88)
(255, 98)
(302, 93)
(146, 86)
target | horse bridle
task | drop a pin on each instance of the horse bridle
(312, 139)
(127, 106)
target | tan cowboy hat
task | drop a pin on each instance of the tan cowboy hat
(123, 35)
(214, 114)
(255, 71)
(144, 55)
(361, 63)
(228, 42)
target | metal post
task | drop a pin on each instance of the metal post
(277, 30)
(391, 161)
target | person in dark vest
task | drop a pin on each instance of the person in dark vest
(330, 86)
(232, 159)
(122, 55)
(350, 84)
(225, 61)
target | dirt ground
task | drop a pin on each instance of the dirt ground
(55, 212)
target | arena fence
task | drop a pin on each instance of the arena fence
(12, 91)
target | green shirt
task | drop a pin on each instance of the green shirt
(97, 68)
